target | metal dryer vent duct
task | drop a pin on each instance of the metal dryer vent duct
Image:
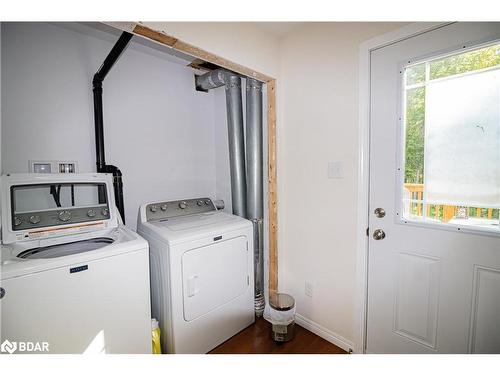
(247, 198)
(234, 108)
(255, 187)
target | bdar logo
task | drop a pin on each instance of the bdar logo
(9, 347)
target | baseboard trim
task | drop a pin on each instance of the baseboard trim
(324, 333)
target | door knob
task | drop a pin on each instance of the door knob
(379, 212)
(378, 234)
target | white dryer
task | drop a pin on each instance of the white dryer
(201, 262)
(73, 279)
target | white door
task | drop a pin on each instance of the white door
(434, 258)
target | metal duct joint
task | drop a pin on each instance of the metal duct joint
(255, 188)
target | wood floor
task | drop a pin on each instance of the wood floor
(256, 339)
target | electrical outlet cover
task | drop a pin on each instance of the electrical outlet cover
(308, 289)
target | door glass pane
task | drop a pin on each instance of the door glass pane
(415, 74)
(465, 62)
(452, 141)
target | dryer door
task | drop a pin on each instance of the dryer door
(213, 275)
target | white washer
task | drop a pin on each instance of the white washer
(201, 261)
(71, 275)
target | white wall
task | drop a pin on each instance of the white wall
(158, 130)
(242, 42)
(319, 107)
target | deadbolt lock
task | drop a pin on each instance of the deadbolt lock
(378, 234)
(379, 212)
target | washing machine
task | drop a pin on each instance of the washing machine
(201, 262)
(73, 279)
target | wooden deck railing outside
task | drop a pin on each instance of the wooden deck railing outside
(441, 212)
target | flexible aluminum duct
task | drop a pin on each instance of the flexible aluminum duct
(212, 80)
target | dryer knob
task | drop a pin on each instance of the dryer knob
(105, 212)
(153, 208)
(64, 215)
(199, 203)
(163, 207)
(91, 213)
(34, 219)
(207, 202)
(182, 205)
(17, 221)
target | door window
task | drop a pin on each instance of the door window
(451, 121)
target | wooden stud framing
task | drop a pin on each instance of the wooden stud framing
(272, 183)
(203, 56)
(157, 36)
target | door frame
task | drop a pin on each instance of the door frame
(363, 178)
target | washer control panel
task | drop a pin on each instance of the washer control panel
(42, 205)
(32, 220)
(166, 210)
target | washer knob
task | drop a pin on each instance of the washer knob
(153, 208)
(17, 221)
(105, 212)
(91, 213)
(199, 203)
(64, 215)
(35, 219)
(207, 202)
(182, 205)
(163, 207)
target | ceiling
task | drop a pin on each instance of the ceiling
(279, 29)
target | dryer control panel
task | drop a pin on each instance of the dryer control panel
(166, 210)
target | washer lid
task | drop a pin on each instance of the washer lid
(64, 249)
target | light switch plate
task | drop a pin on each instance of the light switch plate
(335, 169)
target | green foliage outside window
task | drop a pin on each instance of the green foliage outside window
(415, 100)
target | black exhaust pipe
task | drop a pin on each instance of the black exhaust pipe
(102, 167)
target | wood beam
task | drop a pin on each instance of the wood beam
(157, 36)
(272, 186)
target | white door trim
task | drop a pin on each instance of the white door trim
(365, 49)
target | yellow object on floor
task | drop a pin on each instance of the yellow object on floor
(155, 336)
